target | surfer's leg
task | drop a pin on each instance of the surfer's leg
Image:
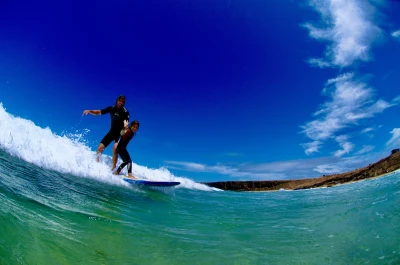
(119, 169)
(130, 169)
(114, 156)
(123, 153)
(103, 144)
(122, 167)
(100, 150)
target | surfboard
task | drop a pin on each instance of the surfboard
(152, 183)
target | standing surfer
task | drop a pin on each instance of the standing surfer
(118, 114)
(127, 134)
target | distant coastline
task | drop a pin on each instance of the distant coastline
(382, 167)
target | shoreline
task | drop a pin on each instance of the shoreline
(339, 184)
(385, 166)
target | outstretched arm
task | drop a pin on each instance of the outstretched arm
(93, 112)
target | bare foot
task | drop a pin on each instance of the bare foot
(132, 177)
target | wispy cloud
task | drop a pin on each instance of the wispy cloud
(394, 142)
(349, 29)
(351, 102)
(312, 147)
(229, 171)
(344, 144)
(365, 149)
(281, 170)
(347, 25)
(349, 163)
(301, 167)
(370, 131)
(396, 34)
(367, 130)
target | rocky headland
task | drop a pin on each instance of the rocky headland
(382, 167)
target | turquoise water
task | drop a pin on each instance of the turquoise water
(61, 208)
(54, 218)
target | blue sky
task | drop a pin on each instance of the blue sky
(224, 90)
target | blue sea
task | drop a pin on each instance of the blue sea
(58, 206)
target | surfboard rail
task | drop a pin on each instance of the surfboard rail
(152, 183)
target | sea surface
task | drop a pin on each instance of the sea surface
(58, 206)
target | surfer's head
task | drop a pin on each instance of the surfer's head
(120, 102)
(134, 126)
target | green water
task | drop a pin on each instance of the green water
(52, 218)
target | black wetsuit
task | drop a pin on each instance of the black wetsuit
(123, 153)
(117, 123)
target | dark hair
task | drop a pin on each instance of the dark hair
(133, 123)
(120, 97)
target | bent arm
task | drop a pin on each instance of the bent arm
(125, 129)
(93, 112)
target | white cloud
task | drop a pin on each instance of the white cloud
(291, 166)
(396, 99)
(188, 165)
(293, 169)
(367, 130)
(312, 147)
(281, 170)
(348, 163)
(328, 169)
(223, 170)
(396, 34)
(370, 131)
(365, 149)
(349, 29)
(395, 140)
(319, 62)
(344, 144)
(351, 102)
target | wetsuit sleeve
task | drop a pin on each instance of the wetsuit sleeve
(125, 139)
(106, 110)
(127, 115)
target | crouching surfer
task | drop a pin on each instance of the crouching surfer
(127, 134)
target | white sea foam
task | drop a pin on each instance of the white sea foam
(69, 154)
